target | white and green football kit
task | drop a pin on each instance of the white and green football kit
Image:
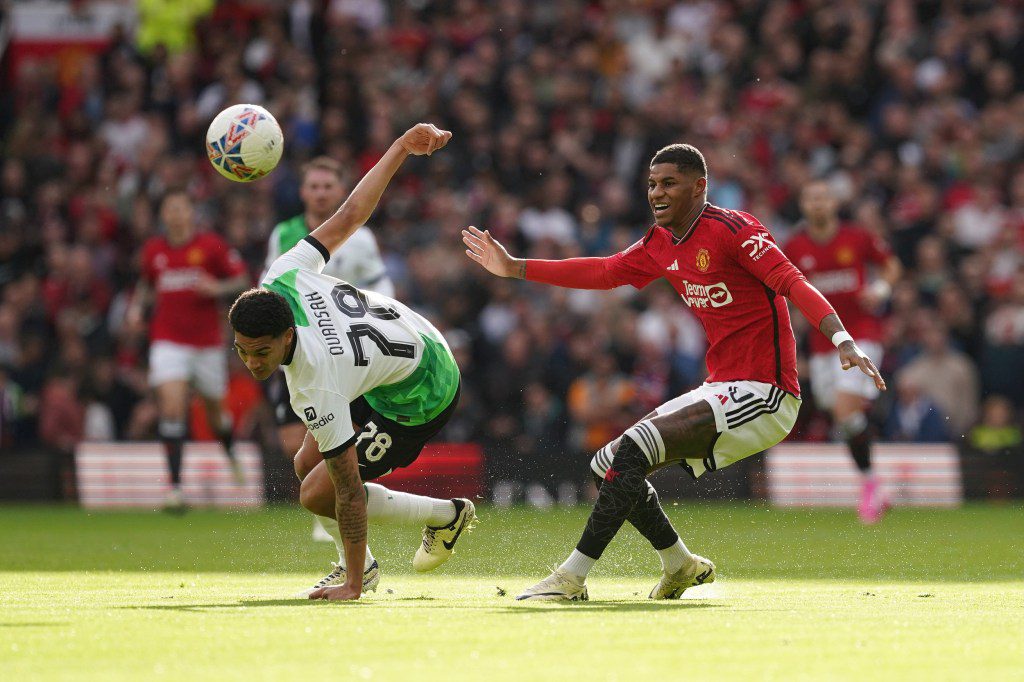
(364, 357)
(358, 261)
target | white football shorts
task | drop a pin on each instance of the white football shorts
(750, 417)
(206, 368)
(828, 377)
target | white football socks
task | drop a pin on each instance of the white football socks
(646, 435)
(578, 564)
(382, 503)
(675, 557)
(331, 526)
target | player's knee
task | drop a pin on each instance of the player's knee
(854, 426)
(302, 467)
(172, 429)
(306, 497)
(312, 498)
(629, 466)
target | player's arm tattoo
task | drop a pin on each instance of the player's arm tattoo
(349, 498)
(519, 268)
(830, 324)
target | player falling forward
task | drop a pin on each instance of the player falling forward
(359, 263)
(372, 380)
(726, 267)
(190, 273)
(834, 257)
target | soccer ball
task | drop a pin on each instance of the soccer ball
(244, 142)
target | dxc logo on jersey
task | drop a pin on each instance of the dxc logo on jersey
(323, 421)
(706, 295)
(759, 245)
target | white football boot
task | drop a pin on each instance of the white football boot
(439, 542)
(371, 577)
(559, 586)
(174, 502)
(698, 572)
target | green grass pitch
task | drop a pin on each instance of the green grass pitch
(926, 595)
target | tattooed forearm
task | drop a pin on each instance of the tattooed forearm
(350, 501)
(830, 324)
(519, 268)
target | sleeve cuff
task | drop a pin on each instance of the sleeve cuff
(318, 246)
(334, 452)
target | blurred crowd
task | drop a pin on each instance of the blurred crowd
(913, 111)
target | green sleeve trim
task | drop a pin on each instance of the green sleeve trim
(290, 233)
(422, 395)
(285, 285)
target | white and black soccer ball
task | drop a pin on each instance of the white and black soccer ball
(244, 142)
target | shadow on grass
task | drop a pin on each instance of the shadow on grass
(436, 603)
(262, 603)
(238, 604)
(597, 606)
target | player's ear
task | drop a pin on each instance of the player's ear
(700, 186)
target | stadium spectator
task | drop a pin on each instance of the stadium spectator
(10, 409)
(913, 417)
(996, 450)
(601, 402)
(946, 377)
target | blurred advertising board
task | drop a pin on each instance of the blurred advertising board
(823, 474)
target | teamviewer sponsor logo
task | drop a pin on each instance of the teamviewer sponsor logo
(706, 295)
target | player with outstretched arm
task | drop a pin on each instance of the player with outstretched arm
(322, 189)
(726, 267)
(372, 380)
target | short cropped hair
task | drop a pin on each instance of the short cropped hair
(686, 158)
(324, 163)
(260, 312)
(175, 192)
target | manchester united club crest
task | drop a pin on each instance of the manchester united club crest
(844, 256)
(703, 260)
(194, 257)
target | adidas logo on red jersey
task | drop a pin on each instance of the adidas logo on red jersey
(674, 266)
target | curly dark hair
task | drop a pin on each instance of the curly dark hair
(260, 312)
(686, 158)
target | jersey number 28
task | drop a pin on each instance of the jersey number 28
(354, 304)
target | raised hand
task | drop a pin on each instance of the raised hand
(488, 252)
(424, 138)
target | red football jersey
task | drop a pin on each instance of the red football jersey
(180, 313)
(838, 269)
(719, 269)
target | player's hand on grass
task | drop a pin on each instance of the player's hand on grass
(424, 138)
(851, 356)
(344, 592)
(488, 252)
